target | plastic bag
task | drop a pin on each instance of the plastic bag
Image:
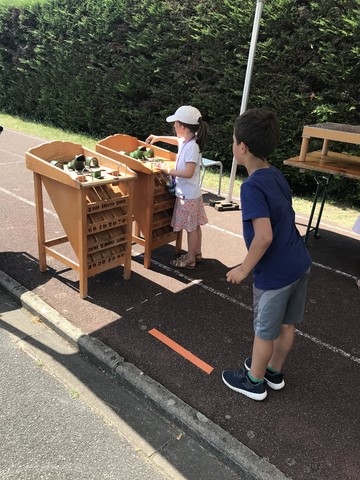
(170, 185)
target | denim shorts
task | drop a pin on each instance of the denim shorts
(272, 308)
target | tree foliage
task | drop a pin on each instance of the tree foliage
(123, 65)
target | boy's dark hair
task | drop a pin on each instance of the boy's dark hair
(259, 130)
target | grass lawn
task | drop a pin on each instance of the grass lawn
(343, 216)
(21, 3)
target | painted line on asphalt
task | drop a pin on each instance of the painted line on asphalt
(328, 346)
(11, 153)
(27, 135)
(228, 232)
(28, 202)
(248, 307)
(218, 293)
(181, 351)
(220, 229)
(202, 285)
(325, 267)
(334, 270)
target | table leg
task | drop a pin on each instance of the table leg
(325, 148)
(304, 149)
(321, 190)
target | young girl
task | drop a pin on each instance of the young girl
(189, 212)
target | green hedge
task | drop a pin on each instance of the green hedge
(121, 66)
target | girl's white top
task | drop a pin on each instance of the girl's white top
(188, 188)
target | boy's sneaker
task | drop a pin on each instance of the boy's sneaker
(239, 381)
(274, 380)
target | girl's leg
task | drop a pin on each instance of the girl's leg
(199, 240)
(192, 238)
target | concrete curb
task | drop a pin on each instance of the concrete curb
(223, 446)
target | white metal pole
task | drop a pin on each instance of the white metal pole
(245, 96)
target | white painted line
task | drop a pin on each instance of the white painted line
(202, 285)
(221, 294)
(11, 153)
(24, 135)
(325, 267)
(228, 232)
(26, 201)
(210, 225)
(334, 270)
(328, 346)
(248, 307)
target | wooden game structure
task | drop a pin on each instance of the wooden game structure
(153, 205)
(94, 206)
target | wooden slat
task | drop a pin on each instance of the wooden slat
(333, 131)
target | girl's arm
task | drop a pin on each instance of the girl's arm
(187, 172)
(172, 140)
(263, 236)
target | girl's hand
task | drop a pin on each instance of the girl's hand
(165, 168)
(236, 275)
(151, 139)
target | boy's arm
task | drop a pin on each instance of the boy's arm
(262, 239)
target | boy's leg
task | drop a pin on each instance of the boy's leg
(261, 354)
(273, 340)
(282, 347)
(293, 316)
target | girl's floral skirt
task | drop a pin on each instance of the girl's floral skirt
(188, 214)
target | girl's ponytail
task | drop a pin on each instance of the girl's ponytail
(201, 134)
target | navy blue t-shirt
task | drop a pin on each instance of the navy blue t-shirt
(266, 194)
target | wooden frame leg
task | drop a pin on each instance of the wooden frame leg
(178, 242)
(39, 204)
(83, 250)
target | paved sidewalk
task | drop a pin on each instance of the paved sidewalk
(62, 417)
(190, 447)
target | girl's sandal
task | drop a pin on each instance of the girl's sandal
(199, 258)
(182, 262)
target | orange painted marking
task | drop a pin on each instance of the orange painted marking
(181, 350)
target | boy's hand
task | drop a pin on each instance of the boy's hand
(236, 275)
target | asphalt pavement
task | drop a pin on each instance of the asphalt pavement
(64, 418)
(309, 430)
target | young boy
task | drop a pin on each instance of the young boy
(276, 255)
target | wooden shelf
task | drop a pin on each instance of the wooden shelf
(96, 214)
(153, 205)
(332, 163)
